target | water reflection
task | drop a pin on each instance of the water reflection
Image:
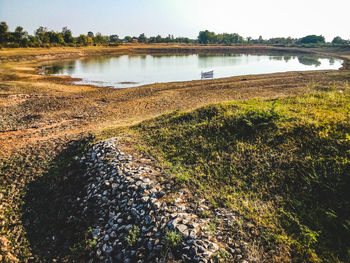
(54, 69)
(133, 70)
(278, 58)
(309, 61)
(287, 58)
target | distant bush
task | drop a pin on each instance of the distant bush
(339, 41)
(312, 39)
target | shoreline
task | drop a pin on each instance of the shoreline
(47, 54)
(34, 58)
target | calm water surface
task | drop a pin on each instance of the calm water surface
(135, 70)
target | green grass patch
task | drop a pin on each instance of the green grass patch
(133, 235)
(285, 164)
(172, 239)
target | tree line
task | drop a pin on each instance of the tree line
(45, 38)
(207, 37)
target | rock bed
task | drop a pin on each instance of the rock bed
(125, 203)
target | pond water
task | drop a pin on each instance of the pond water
(136, 70)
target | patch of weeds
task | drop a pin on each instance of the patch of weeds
(306, 237)
(222, 256)
(92, 242)
(139, 148)
(172, 239)
(212, 225)
(132, 236)
(174, 168)
(332, 87)
(182, 178)
(213, 203)
(204, 214)
(90, 230)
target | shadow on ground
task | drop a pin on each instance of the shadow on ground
(53, 221)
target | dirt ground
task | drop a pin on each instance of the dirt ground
(40, 114)
(37, 107)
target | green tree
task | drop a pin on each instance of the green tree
(183, 40)
(158, 39)
(41, 34)
(82, 40)
(128, 39)
(4, 34)
(339, 41)
(169, 38)
(142, 38)
(19, 34)
(60, 39)
(236, 38)
(67, 35)
(55, 37)
(100, 40)
(206, 37)
(113, 38)
(290, 40)
(20, 37)
(312, 39)
(152, 40)
(33, 41)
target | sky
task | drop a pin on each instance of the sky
(268, 18)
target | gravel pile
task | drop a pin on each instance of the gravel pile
(130, 219)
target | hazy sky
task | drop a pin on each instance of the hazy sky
(269, 18)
